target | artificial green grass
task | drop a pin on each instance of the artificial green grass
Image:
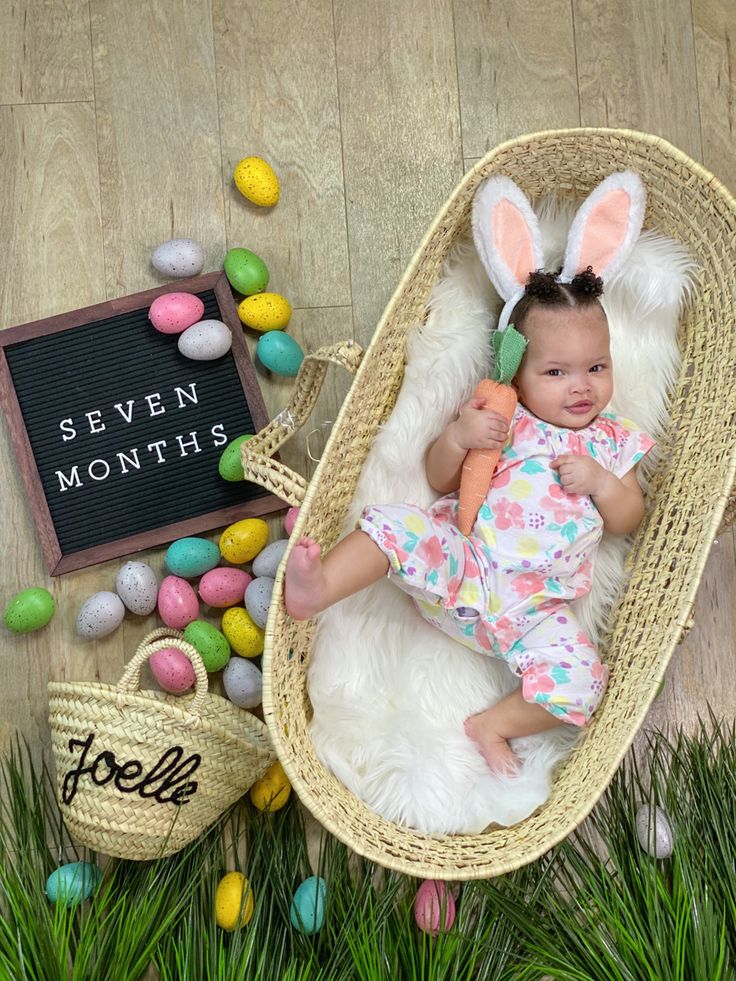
(597, 907)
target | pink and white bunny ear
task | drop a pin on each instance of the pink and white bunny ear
(605, 227)
(507, 237)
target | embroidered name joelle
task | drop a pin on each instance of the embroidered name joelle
(167, 781)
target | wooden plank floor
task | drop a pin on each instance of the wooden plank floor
(120, 124)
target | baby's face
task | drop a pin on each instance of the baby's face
(566, 377)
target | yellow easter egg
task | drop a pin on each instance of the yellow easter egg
(265, 311)
(242, 541)
(231, 912)
(271, 792)
(256, 181)
(244, 636)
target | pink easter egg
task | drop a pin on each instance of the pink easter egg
(172, 670)
(432, 898)
(177, 602)
(173, 313)
(290, 520)
(223, 586)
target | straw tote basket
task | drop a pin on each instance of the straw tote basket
(140, 773)
(688, 496)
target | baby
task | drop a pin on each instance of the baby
(567, 472)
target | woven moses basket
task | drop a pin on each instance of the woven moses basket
(688, 498)
(140, 774)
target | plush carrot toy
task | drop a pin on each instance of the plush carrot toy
(479, 465)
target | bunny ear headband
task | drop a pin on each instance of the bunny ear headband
(509, 242)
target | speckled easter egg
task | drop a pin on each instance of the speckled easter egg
(654, 831)
(246, 272)
(290, 520)
(233, 902)
(223, 586)
(179, 257)
(174, 312)
(258, 599)
(230, 467)
(243, 682)
(73, 883)
(29, 610)
(177, 602)
(207, 340)
(265, 311)
(242, 541)
(211, 645)
(433, 897)
(268, 560)
(272, 791)
(244, 636)
(173, 670)
(307, 912)
(100, 615)
(256, 181)
(137, 587)
(191, 557)
(279, 353)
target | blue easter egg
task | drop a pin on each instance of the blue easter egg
(190, 557)
(73, 883)
(307, 913)
(280, 353)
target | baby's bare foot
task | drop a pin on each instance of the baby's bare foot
(304, 581)
(494, 749)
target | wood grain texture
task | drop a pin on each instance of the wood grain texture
(714, 25)
(278, 100)
(45, 52)
(516, 70)
(636, 68)
(399, 111)
(158, 133)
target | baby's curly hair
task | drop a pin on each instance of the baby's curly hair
(544, 288)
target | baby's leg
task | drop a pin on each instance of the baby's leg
(311, 583)
(507, 719)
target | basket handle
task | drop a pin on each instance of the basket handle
(159, 640)
(256, 453)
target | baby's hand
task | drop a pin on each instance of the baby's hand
(580, 474)
(477, 428)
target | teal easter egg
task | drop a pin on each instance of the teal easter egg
(73, 883)
(307, 913)
(246, 272)
(30, 610)
(190, 557)
(279, 352)
(230, 467)
(211, 645)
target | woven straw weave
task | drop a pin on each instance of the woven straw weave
(133, 730)
(686, 504)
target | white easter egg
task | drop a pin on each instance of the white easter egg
(179, 257)
(243, 682)
(654, 831)
(100, 615)
(205, 340)
(267, 561)
(137, 587)
(257, 599)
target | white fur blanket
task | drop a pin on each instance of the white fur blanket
(390, 693)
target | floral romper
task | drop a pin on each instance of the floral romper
(505, 590)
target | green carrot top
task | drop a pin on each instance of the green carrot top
(508, 350)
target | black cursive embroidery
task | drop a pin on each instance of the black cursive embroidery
(165, 782)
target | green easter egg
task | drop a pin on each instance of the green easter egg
(211, 645)
(246, 272)
(29, 610)
(279, 353)
(230, 467)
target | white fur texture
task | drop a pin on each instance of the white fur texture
(389, 691)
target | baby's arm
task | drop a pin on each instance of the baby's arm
(475, 428)
(619, 500)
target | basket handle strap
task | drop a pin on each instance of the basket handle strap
(158, 640)
(256, 453)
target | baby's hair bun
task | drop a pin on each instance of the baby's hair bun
(543, 286)
(586, 282)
